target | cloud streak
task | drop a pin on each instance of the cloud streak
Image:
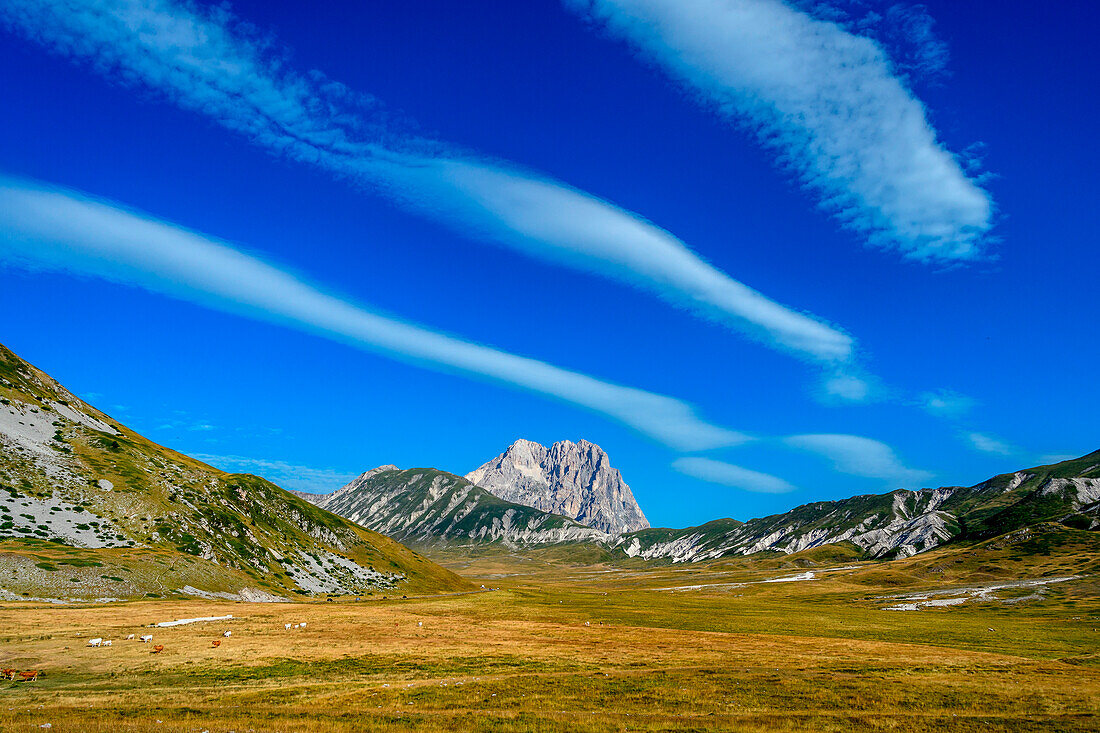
(827, 102)
(286, 475)
(203, 60)
(988, 444)
(860, 456)
(945, 403)
(60, 230)
(727, 474)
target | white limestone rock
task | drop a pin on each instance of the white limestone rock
(575, 480)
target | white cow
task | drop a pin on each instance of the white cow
(303, 624)
(130, 637)
(146, 638)
(286, 626)
(227, 634)
(107, 642)
(95, 642)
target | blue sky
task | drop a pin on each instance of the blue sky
(563, 220)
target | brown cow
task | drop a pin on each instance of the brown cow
(29, 676)
(216, 643)
(7, 673)
(157, 649)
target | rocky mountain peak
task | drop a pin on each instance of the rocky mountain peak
(575, 480)
(378, 470)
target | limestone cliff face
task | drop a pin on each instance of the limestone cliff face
(575, 480)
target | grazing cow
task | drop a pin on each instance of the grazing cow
(227, 634)
(216, 643)
(587, 624)
(107, 642)
(286, 626)
(146, 638)
(29, 676)
(95, 642)
(130, 637)
(8, 673)
(303, 624)
(157, 649)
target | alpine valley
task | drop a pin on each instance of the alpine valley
(974, 606)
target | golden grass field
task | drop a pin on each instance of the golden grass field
(733, 654)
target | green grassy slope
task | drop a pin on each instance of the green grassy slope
(1014, 500)
(156, 521)
(898, 523)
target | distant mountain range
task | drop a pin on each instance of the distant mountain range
(91, 509)
(507, 506)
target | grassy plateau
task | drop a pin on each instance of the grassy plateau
(800, 642)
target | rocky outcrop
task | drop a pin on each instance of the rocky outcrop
(575, 480)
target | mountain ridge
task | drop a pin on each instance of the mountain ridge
(80, 490)
(425, 507)
(899, 523)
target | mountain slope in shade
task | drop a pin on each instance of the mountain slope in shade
(424, 507)
(91, 509)
(898, 524)
(574, 480)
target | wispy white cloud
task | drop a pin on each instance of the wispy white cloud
(910, 32)
(906, 32)
(205, 61)
(860, 456)
(945, 403)
(727, 474)
(286, 475)
(988, 444)
(830, 104)
(847, 387)
(1057, 458)
(559, 223)
(55, 229)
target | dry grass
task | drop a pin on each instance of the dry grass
(815, 655)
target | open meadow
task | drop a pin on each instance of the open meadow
(770, 644)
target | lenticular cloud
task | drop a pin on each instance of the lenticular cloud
(828, 102)
(54, 229)
(204, 61)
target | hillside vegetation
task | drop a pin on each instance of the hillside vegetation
(91, 509)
